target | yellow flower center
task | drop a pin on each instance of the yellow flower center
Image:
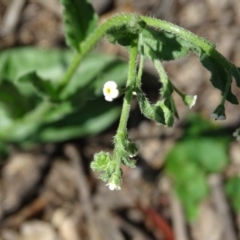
(108, 90)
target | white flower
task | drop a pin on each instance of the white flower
(110, 91)
(113, 186)
(221, 117)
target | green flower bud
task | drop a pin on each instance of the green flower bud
(219, 113)
(101, 161)
(189, 100)
(115, 181)
(132, 149)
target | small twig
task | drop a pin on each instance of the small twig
(27, 212)
(222, 208)
(178, 218)
(83, 190)
(135, 232)
(11, 17)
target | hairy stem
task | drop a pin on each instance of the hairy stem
(122, 128)
(130, 82)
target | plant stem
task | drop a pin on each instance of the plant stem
(227, 88)
(130, 82)
(161, 71)
(89, 43)
(178, 91)
(122, 127)
(141, 65)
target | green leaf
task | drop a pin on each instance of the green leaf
(80, 20)
(125, 33)
(166, 90)
(14, 103)
(168, 111)
(109, 171)
(50, 64)
(235, 71)
(195, 149)
(190, 192)
(129, 162)
(233, 191)
(74, 116)
(165, 46)
(91, 119)
(198, 126)
(100, 161)
(147, 109)
(42, 87)
(121, 34)
(219, 76)
(91, 75)
(21, 129)
(190, 161)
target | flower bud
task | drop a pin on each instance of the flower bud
(115, 180)
(189, 100)
(132, 149)
(236, 134)
(219, 113)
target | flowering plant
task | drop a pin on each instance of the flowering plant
(144, 37)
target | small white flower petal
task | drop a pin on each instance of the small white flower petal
(108, 98)
(194, 99)
(214, 116)
(222, 117)
(235, 134)
(115, 93)
(113, 186)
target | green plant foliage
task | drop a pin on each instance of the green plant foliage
(232, 188)
(219, 76)
(80, 20)
(235, 71)
(166, 46)
(43, 88)
(11, 97)
(31, 110)
(90, 119)
(91, 75)
(166, 90)
(48, 64)
(20, 129)
(123, 33)
(168, 111)
(191, 160)
(148, 109)
(195, 150)
(191, 187)
(101, 161)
